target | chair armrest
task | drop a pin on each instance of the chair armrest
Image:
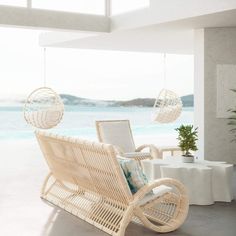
(153, 150)
(180, 188)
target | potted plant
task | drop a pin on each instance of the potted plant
(187, 136)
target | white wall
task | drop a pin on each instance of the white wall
(213, 46)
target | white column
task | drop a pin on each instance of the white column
(199, 89)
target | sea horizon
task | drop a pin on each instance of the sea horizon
(79, 121)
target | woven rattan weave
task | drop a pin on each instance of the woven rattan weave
(168, 107)
(44, 108)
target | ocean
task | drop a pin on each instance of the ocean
(80, 122)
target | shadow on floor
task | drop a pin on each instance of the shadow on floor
(215, 220)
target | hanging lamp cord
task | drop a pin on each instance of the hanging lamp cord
(44, 69)
(164, 67)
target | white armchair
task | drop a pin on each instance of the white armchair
(119, 134)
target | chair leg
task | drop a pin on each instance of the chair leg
(125, 221)
(43, 189)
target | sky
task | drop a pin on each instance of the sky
(96, 74)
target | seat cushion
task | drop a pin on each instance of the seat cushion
(156, 192)
(117, 133)
(133, 174)
(136, 154)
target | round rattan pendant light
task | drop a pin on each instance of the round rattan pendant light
(43, 108)
(168, 105)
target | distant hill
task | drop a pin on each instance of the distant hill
(188, 100)
(69, 99)
(141, 102)
(73, 100)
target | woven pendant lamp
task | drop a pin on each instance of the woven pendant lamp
(168, 105)
(43, 108)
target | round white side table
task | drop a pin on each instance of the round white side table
(206, 181)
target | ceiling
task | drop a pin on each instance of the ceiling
(170, 37)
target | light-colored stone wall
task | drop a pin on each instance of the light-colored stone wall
(219, 48)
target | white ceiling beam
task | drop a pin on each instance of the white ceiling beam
(161, 11)
(52, 20)
(172, 37)
(47, 39)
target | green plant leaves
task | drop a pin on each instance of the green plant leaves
(188, 135)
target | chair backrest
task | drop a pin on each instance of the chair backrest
(117, 133)
(92, 166)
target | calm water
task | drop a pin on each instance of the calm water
(79, 121)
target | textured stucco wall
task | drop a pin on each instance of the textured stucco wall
(219, 48)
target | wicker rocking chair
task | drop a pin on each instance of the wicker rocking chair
(119, 134)
(81, 181)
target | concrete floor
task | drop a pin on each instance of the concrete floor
(23, 213)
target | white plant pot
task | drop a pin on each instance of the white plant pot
(187, 159)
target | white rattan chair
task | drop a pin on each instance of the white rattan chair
(119, 134)
(86, 180)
